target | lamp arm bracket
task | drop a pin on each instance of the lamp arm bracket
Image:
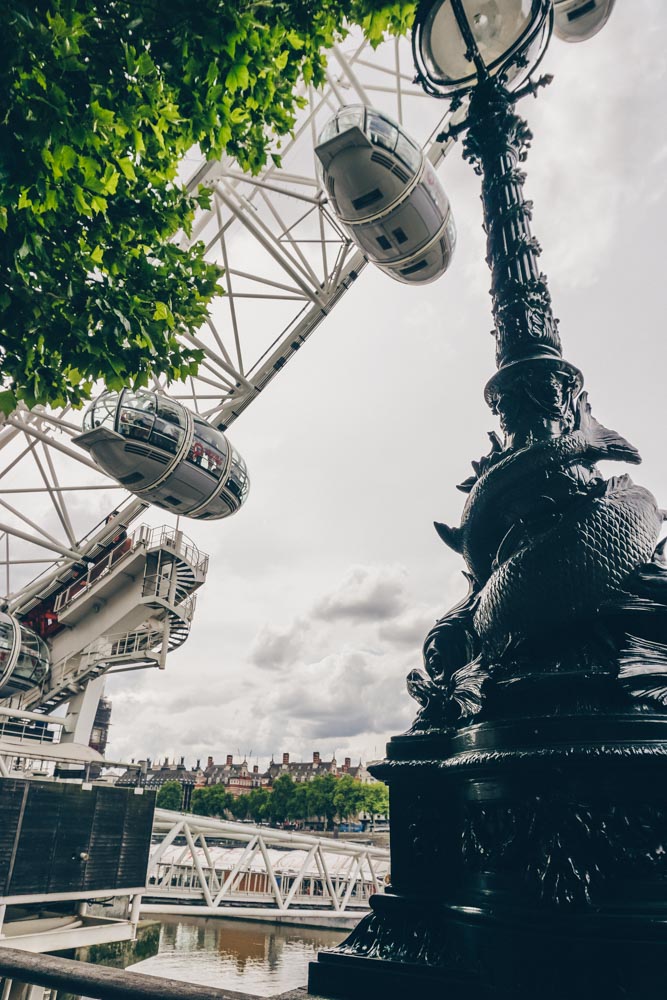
(529, 89)
(532, 87)
(453, 131)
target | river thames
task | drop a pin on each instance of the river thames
(264, 959)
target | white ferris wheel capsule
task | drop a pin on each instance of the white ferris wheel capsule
(386, 194)
(165, 454)
(578, 20)
(24, 657)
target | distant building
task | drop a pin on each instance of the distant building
(156, 776)
(99, 736)
(360, 772)
(317, 768)
(238, 779)
(241, 778)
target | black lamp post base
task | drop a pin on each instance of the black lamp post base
(529, 860)
(479, 956)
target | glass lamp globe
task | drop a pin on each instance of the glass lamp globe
(456, 40)
(579, 20)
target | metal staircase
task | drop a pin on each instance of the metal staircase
(134, 605)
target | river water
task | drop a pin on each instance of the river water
(265, 959)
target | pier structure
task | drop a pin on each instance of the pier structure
(203, 866)
(73, 859)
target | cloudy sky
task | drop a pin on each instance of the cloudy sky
(321, 590)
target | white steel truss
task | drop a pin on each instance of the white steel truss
(265, 871)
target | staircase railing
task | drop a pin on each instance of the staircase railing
(166, 536)
(162, 537)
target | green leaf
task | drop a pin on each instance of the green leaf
(238, 115)
(295, 40)
(127, 168)
(163, 312)
(80, 202)
(238, 78)
(7, 401)
(104, 115)
(64, 159)
(110, 180)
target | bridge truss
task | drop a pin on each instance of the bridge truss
(217, 868)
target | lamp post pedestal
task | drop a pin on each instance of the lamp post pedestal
(527, 860)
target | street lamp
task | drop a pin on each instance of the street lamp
(456, 43)
(528, 810)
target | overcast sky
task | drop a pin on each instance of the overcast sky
(321, 589)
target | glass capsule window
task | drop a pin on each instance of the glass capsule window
(6, 643)
(329, 130)
(148, 417)
(209, 449)
(381, 130)
(435, 190)
(408, 152)
(32, 665)
(136, 415)
(170, 411)
(102, 413)
(450, 233)
(349, 117)
(238, 482)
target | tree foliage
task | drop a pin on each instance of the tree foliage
(279, 804)
(170, 796)
(348, 797)
(376, 800)
(100, 101)
(258, 804)
(325, 798)
(214, 800)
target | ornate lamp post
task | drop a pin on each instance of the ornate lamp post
(528, 800)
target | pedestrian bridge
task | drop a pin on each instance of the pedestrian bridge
(210, 867)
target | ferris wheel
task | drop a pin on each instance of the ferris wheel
(88, 589)
(70, 507)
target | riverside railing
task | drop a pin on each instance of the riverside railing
(96, 982)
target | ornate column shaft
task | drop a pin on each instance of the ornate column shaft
(496, 143)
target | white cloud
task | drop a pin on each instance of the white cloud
(365, 594)
(274, 647)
